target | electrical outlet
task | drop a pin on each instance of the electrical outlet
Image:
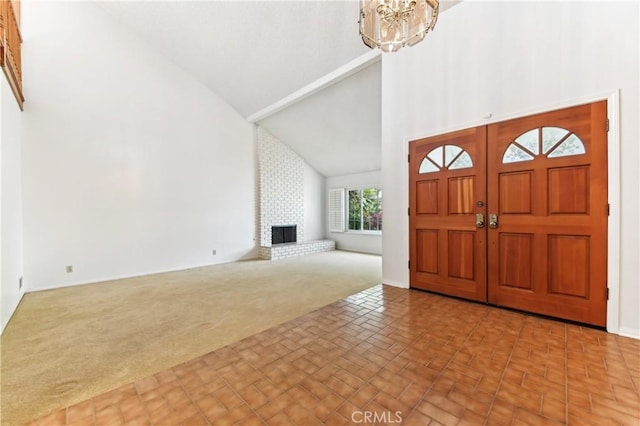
(213, 252)
(20, 283)
(69, 269)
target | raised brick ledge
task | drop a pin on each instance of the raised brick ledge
(282, 251)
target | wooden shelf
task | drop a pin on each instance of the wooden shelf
(11, 46)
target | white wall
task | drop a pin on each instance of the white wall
(131, 166)
(512, 58)
(11, 266)
(354, 241)
(314, 204)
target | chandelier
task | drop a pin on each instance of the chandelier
(391, 24)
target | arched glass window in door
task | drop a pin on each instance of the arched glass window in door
(451, 157)
(549, 141)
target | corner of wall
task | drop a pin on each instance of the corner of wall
(12, 310)
(394, 283)
(314, 204)
(11, 243)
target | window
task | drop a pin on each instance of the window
(550, 141)
(365, 210)
(452, 157)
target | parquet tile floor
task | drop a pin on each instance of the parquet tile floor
(389, 356)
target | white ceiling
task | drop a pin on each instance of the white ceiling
(337, 130)
(255, 53)
(252, 54)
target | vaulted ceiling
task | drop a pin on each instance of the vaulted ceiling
(336, 130)
(255, 53)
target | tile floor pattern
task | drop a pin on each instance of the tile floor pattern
(392, 355)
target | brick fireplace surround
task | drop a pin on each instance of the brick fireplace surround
(281, 198)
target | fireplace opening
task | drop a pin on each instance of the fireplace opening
(283, 234)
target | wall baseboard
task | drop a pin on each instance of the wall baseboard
(251, 256)
(634, 333)
(13, 311)
(359, 251)
(394, 283)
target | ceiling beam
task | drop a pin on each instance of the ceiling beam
(323, 82)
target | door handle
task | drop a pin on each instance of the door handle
(493, 221)
(479, 220)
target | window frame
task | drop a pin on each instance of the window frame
(360, 188)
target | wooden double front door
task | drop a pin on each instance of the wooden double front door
(515, 213)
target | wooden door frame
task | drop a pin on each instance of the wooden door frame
(613, 166)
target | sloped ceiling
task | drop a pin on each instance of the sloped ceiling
(337, 130)
(252, 54)
(255, 53)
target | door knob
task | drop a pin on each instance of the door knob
(493, 221)
(479, 220)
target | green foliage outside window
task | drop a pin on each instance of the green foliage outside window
(365, 209)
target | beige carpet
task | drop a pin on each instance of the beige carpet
(66, 345)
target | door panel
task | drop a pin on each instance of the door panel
(569, 190)
(517, 270)
(569, 278)
(447, 179)
(461, 255)
(427, 197)
(427, 242)
(551, 201)
(541, 184)
(516, 192)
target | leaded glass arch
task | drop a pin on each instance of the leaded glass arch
(451, 157)
(549, 141)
